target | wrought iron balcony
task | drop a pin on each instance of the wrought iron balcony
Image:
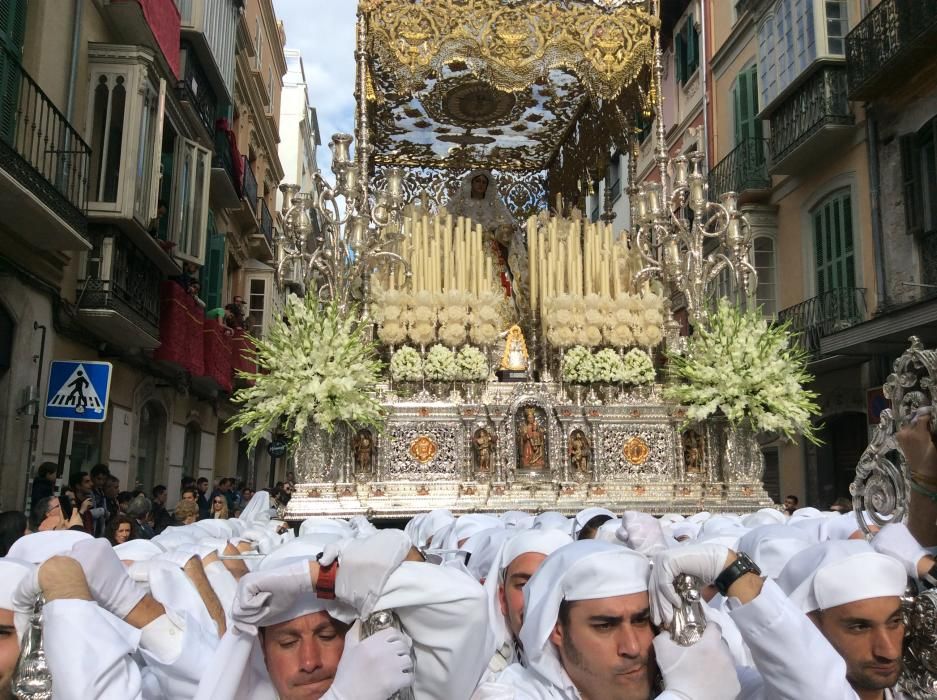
(118, 293)
(44, 158)
(225, 183)
(810, 122)
(744, 169)
(891, 45)
(825, 314)
(194, 89)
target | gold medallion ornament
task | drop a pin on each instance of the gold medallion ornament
(423, 449)
(636, 450)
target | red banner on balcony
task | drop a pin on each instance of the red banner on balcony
(218, 353)
(241, 348)
(166, 25)
(181, 321)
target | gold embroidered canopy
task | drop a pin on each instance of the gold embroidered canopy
(534, 85)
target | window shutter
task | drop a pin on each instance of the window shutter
(213, 271)
(680, 58)
(12, 32)
(753, 104)
(692, 46)
(910, 184)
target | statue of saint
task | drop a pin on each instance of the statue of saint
(484, 444)
(514, 358)
(693, 452)
(478, 200)
(533, 442)
(580, 452)
(361, 444)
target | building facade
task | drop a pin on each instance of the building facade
(136, 221)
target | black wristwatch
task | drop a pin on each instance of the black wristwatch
(741, 566)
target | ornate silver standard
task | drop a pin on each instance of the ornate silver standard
(32, 679)
(382, 620)
(689, 620)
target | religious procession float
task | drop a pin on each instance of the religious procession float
(467, 339)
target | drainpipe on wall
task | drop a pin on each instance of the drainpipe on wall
(875, 195)
(704, 75)
(73, 67)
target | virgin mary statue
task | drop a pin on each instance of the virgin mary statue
(477, 199)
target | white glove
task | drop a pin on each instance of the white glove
(365, 565)
(641, 532)
(140, 571)
(362, 526)
(265, 595)
(701, 671)
(372, 669)
(896, 540)
(108, 580)
(26, 593)
(705, 561)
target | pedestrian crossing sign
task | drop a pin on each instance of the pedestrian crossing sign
(78, 390)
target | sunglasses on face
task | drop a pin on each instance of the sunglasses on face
(218, 503)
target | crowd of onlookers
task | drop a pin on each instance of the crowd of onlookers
(93, 502)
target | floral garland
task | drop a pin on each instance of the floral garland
(315, 365)
(747, 369)
(406, 365)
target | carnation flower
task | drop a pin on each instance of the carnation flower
(638, 367)
(423, 314)
(391, 312)
(608, 367)
(620, 336)
(484, 334)
(422, 333)
(591, 336)
(594, 316)
(452, 334)
(578, 366)
(392, 333)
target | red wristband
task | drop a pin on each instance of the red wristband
(325, 582)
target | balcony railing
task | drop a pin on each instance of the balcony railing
(894, 38)
(195, 89)
(744, 168)
(39, 147)
(120, 277)
(820, 101)
(266, 223)
(823, 315)
(223, 158)
(249, 186)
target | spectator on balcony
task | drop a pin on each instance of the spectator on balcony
(161, 517)
(159, 227)
(234, 314)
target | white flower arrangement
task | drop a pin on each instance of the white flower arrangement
(484, 334)
(392, 333)
(591, 336)
(619, 336)
(472, 365)
(452, 334)
(422, 333)
(747, 369)
(638, 367)
(315, 365)
(608, 367)
(440, 365)
(406, 365)
(578, 366)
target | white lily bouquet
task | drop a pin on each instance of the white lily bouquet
(440, 364)
(406, 365)
(471, 365)
(578, 366)
(747, 369)
(638, 367)
(315, 365)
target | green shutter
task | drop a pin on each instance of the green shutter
(680, 58)
(833, 243)
(12, 33)
(692, 46)
(213, 271)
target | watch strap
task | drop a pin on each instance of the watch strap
(732, 573)
(325, 581)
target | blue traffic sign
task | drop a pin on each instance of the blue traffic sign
(78, 390)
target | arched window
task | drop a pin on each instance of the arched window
(151, 441)
(191, 447)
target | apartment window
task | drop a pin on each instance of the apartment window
(190, 199)
(763, 255)
(191, 446)
(596, 201)
(125, 122)
(686, 56)
(256, 305)
(270, 86)
(613, 176)
(258, 44)
(836, 27)
(919, 178)
(834, 252)
(745, 107)
(212, 273)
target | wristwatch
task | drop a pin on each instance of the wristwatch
(325, 582)
(741, 566)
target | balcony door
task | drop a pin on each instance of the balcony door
(835, 262)
(12, 33)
